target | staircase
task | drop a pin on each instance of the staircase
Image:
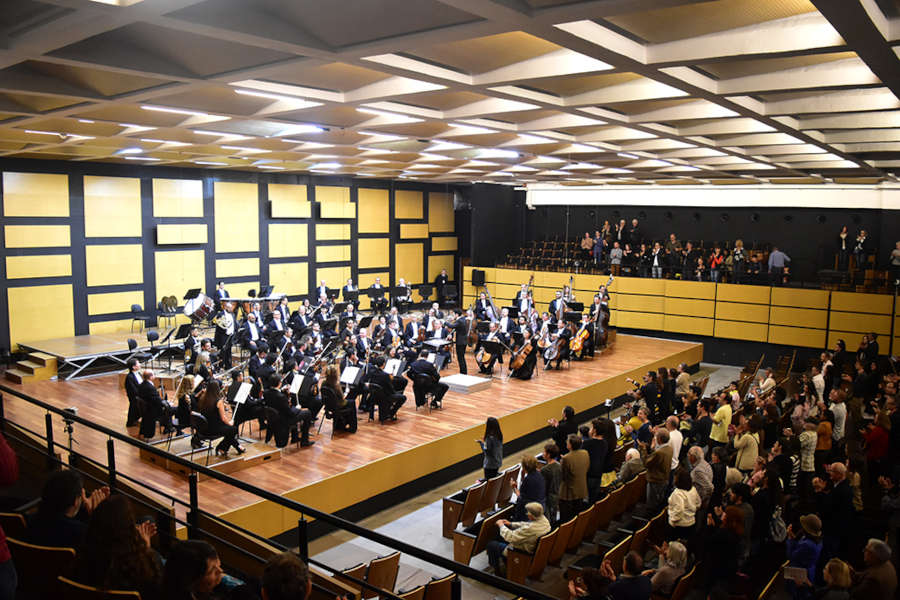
(37, 367)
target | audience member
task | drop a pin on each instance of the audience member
(285, 577)
(62, 517)
(573, 491)
(532, 489)
(521, 535)
(631, 584)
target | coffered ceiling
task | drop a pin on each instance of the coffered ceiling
(508, 91)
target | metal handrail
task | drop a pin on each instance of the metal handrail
(338, 522)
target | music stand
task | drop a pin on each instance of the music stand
(483, 327)
(191, 294)
(351, 375)
(436, 359)
(184, 330)
(376, 298)
(332, 293)
(494, 347)
(575, 306)
(572, 317)
(266, 291)
(365, 321)
(450, 293)
(513, 311)
(352, 297)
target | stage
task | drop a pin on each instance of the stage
(351, 469)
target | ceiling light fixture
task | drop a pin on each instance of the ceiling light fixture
(150, 158)
(39, 132)
(326, 166)
(627, 155)
(177, 111)
(295, 129)
(386, 136)
(497, 153)
(271, 167)
(158, 141)
(210, 162)
(85, 121)
(131, 150)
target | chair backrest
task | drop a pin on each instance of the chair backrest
(72, 590)
(581, 522)
(639, 538)
(152, 336)
(329, 400)
(382, 574)
(685, 584)
(491, 492)
(136, 308)
(512, 474)
(561, 541)
(658, 526)
(357, 572)
(39, 566)
(593, 521)
(417, 593)
(638, 490)
(472, 505)
(440, 589)
(132, 344)
(199, 423)
(542, 553)
(617, 553)
(605, 512)
(13, 524)
(617, 501)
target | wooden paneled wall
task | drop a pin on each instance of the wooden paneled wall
(85, 242)
(776, 315)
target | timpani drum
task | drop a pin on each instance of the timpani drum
(199, 308)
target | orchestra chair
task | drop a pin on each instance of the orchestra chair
(152, 336)
(200, 428)
(39, 566)
(330, 408)
(132, 347)
(423, 397)
(137, 315)
(451, 294)
(165, 312)
(425, 292)
(72, 590)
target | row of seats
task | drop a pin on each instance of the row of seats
(481, 498)
(381, 574)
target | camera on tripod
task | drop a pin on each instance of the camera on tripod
(72, 410)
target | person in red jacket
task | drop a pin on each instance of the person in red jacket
(715, 264)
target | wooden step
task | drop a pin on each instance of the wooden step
(43, 359)
(28, 366)
(17, 376)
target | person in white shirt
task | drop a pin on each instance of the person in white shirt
(675, 439)
(818, 381)
(767, 384)
(839, 410)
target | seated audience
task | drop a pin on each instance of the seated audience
(61, 520)
(521, 535)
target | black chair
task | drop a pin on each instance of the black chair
(132, 347)
(152, 336)
(451, 294)
(423, 397)
(137, 315)
(331, 409)
(425, 293)
(200, 431)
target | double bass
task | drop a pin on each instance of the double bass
(601, 324)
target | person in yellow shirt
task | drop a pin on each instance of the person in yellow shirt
(718, 435)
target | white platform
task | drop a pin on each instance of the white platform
(466, 384)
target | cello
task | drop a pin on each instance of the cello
(521, 355)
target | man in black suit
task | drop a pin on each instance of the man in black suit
(290, 415)
(225, 329)
(439, 282)
(155, 409)
(388, 401)
(507, 325)
(411, 333)
(587, 347)
(275, 328)
(460, 327)
(483, 309)
(426, 380)
(494, 335)
(351, 288)
(284, 309)
(132, 383)
(258, 360)
(634, 234)
(364, 345)
(556, 304)
(220, 294)
(688, 261)
(564, 337)
(322, 290)
(250, 333)
(191, 343)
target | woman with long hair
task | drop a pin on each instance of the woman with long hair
(212, 407)
(116, 554)
(345, 415)
(491, 447)
(185, 401)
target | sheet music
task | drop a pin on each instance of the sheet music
(392, 366)
(296, 382)
(431, 357)
(349, 375)
(243, 393)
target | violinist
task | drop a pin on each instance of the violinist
(315, 338)
(430, 319)
(493, 335)
(460, 329)
(275, 327)
(203, 368)
(250, 332)
(185, 402)
(284, 309)
(391, 336)
(348, 332)
(394, 316)
(258, 360)
(426, 380)
(414, 330)
(304, 398)
(252, 408)
(388, 402)
(286, 339)
(344, 408)
(379, 329)
(300, 321)
(289, 415)
(363, 343)
(526, 352)
(350, 359)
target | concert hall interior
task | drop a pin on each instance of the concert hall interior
(576, 299)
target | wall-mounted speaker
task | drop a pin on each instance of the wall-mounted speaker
(821, 219)
(667, 215)
(696, 216)
(477, 277)
(724, 217)
(754, 217)
(788, 218)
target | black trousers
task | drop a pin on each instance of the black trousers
(461, 358)
(134, 412)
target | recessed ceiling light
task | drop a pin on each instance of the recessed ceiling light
(131, 150)
(85, 121)
(209, 162)
(177, 111)
(497, 153)
(272, 167)
(242, 149)
(158, 141)
(150, 158)
(279, 97)
(386, 136)
(39, 132)
(136, 127)
(627, 155)
(326, 165)
(295, 129)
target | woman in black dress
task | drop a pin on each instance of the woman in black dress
(212, 407)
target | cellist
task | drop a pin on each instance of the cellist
(583, 341)
(526, 353)
(486, 366)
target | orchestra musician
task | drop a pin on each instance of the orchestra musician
(250, 333)
(304, 398)
(388, 401)
(212, 407)
(439, 282)
(257, 361)
(379, 329)
(483, 309)
(322, 290)
(426, 379)
(380, 303)
(155, 407)
(290, 416)
(562, 338)
(191, 342)
(225, 328)
(530, 350)
(275, 327)
(351, 288)
(220, 294)
(132, 385)
(439, 332)
(493, 335)
(523, 300)
(412, 330)
(363, 343)
(557, 304)
(437, 310)
(284, 309)
(404, 294)
(460, 329)
(315, 338)
(587, 330)
(300, 320)
(344, 408)
(257, 311)
(507, 324)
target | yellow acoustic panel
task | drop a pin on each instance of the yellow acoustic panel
(640, 320)
(440, 212)
(851, 338)
(550, 280)
(797, 336)
(690, 307)
(864, 323)
(881, 304)
(750, 294)
(288, 239)
(334, 202)
(364, 281)
(335, 277)
(332, 253)
(373, 215)
(799, 298)
(413, 231)
(409, 262)
(115, 302)
(755, 332)
(798, 317)
(236, 267)
(333, 232)
(112, 207)
(690, 289)
(48, 265)
(37, 236)
(438, 262)
(103, 327)
(506, 291)
(290, 278)
(241, 288)
(121, 264)
(739, 311)
(194, 233)
(640, 285)
(373, 252)
(407, 205)
(289, 201)
(543, 296)
(895, 349)
(35, 195)
(515, 276)
(692, 325)
(177, 198)
(633, 302)
(178, 271)
(236, 217)
(40, 312)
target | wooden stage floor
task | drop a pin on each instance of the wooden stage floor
(339, 472)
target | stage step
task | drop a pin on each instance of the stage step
(37, 367)
(43, 359)
(17, 376)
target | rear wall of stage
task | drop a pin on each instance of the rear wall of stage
(83, 242)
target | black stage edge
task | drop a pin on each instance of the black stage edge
(417, 487)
